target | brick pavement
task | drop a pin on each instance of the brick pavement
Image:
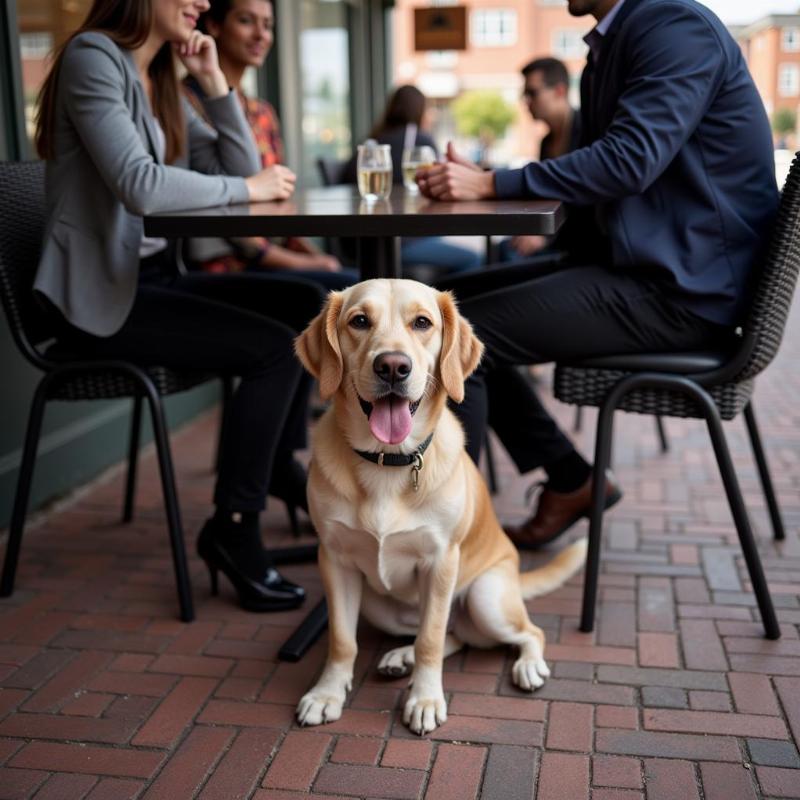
(676, 696)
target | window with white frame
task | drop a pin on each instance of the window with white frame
(791, 40)
(493, 27)
(789, 80)
(568, 44)
(441, 59)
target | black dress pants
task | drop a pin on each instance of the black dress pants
(239, 325)
(529, 314)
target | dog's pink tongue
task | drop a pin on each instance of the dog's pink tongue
(390, 420)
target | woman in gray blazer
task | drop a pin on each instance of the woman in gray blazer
(120, 142)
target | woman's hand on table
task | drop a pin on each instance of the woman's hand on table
(277, 257)
(199, 55)
(528, 245)
(456, 179)
(321, 261)
(273, 183)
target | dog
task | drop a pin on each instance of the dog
(407, 533)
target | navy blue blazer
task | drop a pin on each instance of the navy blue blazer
(677, 156)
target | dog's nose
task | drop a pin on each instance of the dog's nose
(393, 367)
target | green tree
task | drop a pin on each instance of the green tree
(784, 120)
(483, 114)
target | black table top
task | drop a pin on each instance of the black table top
(339, 211)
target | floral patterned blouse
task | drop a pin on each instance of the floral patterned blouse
(266, 129)
(263, 121)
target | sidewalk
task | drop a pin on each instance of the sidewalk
(676, 696)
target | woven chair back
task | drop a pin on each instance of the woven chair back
(22, 215)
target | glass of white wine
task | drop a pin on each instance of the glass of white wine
(415, 158)
(374, 170)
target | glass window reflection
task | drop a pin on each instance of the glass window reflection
(43, 26)
(325, 82)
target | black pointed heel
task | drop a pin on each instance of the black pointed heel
(270, 591)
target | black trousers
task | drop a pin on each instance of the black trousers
(543, 311)
(240, 325)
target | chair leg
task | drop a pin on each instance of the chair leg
(24, 480)
(133, 459)
(227, 395)
(170, 502)
(578, 424)
(490, 465)
(662, 435)
(602, 459)
(735, 500)
(739, 512)
(778, 531)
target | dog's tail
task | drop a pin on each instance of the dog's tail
(552, 575)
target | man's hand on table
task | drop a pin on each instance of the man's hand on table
(456, 179)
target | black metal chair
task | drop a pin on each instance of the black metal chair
(713, 386)
(331, 171)
(663, 441)
(22, 206)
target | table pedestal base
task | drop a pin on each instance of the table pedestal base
(378, 257)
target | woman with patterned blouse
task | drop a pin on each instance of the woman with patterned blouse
(244, 32)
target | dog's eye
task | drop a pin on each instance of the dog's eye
(422, 323)
(360, 322)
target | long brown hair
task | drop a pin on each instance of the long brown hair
(128, 23)
(405, 106)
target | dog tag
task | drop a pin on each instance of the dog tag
(418, 465)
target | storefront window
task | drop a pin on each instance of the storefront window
(325, 71)
(43, 25)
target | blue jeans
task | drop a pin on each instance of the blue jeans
(447, 258)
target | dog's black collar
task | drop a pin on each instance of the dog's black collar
(396, 459)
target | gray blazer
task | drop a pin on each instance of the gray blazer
(105, 177)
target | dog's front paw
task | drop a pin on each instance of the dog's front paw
(318, 706)
(397, 662)
(424, 714)
(529, 673)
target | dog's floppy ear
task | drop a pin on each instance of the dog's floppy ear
(318, 347)
(461, 348)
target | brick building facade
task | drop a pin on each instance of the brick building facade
(503, 35)
(771, 46)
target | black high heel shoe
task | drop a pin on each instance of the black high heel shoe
(260, 586)
(288, 483)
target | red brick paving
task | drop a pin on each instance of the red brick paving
(104, 695)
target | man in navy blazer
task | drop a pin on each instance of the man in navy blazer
(672, 194)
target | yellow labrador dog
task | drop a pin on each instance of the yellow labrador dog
(408, 536)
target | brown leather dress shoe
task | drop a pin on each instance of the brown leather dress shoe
(556, 512)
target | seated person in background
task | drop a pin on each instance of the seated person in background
(121, 141)
(244, 31)
(402, 125)
(546, 95)
(676, 171)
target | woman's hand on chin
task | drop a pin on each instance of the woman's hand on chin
(199, 55)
